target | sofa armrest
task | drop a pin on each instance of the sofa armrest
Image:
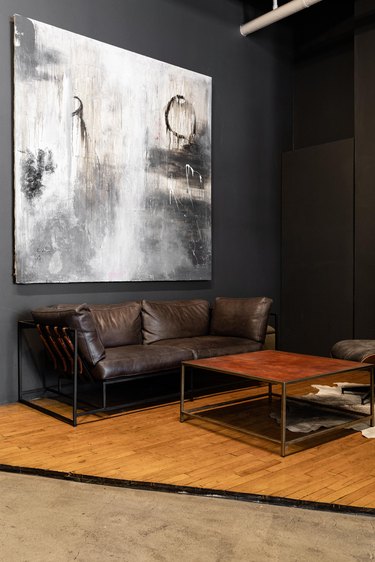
(75, 317)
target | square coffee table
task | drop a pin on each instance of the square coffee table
(277, 368)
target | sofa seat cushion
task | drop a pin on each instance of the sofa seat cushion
(118, 324)
(162, 320)
(133, 360)
(211, 346)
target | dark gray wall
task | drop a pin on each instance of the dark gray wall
(364, 319)
(251, 127)
(323, 106)
(334, 96)
(317, 288)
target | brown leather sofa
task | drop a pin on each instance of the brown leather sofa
(117, 342)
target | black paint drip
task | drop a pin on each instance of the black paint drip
(79, 114)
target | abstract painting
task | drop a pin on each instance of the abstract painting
(112, 162)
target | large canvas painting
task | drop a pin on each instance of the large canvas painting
(112, 162)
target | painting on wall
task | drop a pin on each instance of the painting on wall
(112, 162)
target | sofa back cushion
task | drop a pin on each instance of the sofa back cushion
(76, 317)
(164, 320)
(118, 324)
(241, 317)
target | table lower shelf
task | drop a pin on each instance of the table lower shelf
(259, 415)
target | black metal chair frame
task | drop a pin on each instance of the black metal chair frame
(61, 344)
(362, 389)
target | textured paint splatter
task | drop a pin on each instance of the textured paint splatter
(34, 168)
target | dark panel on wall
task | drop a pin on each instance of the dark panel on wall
(251, 122)
(317, 247)
(365, 171)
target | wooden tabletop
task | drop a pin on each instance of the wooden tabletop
(276, 366)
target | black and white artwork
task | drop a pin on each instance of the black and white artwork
(112, 162)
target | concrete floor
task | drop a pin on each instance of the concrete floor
(51, 520)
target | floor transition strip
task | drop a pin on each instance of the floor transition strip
(189, 490)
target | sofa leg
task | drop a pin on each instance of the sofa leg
(104, 395)
(75, 380)
(191, 390)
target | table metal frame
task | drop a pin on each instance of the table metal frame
(283, 441)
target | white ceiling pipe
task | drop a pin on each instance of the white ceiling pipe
(276, 15)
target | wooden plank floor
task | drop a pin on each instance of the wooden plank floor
(152, 445)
